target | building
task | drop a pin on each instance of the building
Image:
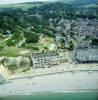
(7, 33)
(87, 55)
(44, 60)
(83, 43)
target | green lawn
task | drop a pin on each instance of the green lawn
(14, 52)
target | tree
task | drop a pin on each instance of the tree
(31, 37)
(71, 45)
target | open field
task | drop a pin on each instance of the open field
(14, 52)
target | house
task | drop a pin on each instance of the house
(44, 60)
(7, 33)
(83, 44)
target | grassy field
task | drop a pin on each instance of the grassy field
(14, 52)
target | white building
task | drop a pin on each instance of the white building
(86, 55)
(42, 60)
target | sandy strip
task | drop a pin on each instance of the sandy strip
(69, 81)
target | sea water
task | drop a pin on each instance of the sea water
(55, 96)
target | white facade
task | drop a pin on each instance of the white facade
(87, 55)
(49, 59)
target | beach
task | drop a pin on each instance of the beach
(61, 68)
(58, 82)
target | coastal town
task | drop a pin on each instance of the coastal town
(44, 53)
(65, 48)
(82, 55)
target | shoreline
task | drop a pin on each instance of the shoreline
(60, 82)
(51, 92)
